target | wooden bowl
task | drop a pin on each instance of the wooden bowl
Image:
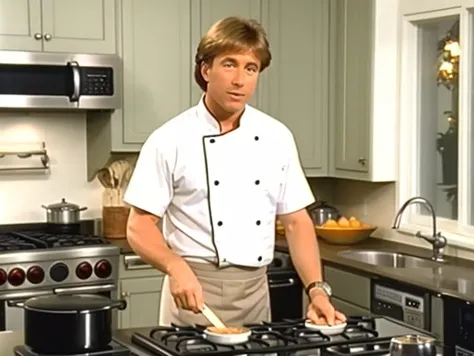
(344, 236)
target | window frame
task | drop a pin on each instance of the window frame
(458, 233)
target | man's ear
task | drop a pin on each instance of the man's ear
(205, 71)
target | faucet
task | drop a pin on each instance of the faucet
(437, 240)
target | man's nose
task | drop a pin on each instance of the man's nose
(238, 79)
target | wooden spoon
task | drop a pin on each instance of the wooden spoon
(213, 319)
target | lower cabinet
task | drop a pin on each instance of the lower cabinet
(141, 288)
(351, 292)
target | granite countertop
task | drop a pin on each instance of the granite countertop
(456, 278)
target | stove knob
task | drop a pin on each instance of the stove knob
(16, 277)
(59, 272)
(103, 269)
(3, 276)
(84, 270)
(35, 275)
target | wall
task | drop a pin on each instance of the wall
(376, 203)
(22, 194)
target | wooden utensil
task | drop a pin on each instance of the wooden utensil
(213, 319)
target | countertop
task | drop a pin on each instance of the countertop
(456, 278)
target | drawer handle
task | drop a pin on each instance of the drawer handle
(276, 284)
(135, 262)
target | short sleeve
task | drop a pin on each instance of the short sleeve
(295, 193)
(151, 185)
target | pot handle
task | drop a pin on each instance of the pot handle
(15, 304)
(119, 304)
(45, 207)
(83, 208)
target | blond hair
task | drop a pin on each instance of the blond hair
(231, 34)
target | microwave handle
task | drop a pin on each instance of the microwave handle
(76, 81)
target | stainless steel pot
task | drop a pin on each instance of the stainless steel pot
(412, 345)
(68, 324)
(320, 212)
(63, 213)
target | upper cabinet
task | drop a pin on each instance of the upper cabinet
(363, 87)
(86, 26)
(294, 89)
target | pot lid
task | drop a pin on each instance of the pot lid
(63, 205)
(68, 303)
(321, 205)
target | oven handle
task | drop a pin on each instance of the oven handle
(76, 76)
(85, 289)
(276, 284)
(135, 262)
(23, 295)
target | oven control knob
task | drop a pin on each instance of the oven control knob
(16, 277)
(84, 270)
(35, 275)
(3, 277)
(59, 272)
(103, 269)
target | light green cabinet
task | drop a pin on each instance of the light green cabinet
(58, 26)
(364, 89)
(140, 286)
(295, 87)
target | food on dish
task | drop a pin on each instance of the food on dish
(229, 330)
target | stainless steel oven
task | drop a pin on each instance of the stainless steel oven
(41, 80)
(11, 318)
(286, 289)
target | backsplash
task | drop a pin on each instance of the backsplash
(22, 194)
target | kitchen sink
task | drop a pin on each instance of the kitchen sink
(389, 259)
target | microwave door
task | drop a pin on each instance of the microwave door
(39, 86)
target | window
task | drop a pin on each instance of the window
(436, 139)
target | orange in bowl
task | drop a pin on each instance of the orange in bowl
(344, 231)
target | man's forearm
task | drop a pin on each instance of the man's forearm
(304, 250)
(147, 241)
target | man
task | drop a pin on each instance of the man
(217, 177)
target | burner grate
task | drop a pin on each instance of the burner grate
(31, 240)
(279, 337)
(362, 348)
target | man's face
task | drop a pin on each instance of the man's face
(231, 79)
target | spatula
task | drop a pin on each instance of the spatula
(213, 319)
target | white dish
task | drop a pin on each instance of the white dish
(227, 339)
(327, 330)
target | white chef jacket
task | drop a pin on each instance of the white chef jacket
(219, 194)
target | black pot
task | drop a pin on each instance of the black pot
(68, 324)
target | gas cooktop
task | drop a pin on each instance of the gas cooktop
(362, 336)
(33, 240)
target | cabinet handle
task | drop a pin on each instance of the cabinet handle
(48, 37)
(125, 294)
(362, 161)
(38, 36)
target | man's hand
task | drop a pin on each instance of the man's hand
(185, 288)
(321, 311)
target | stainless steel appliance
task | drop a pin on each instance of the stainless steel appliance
(42, 80)
(286, 288)
(402, 302)
(34, 263)
(459, 325)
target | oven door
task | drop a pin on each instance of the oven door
(459, 325)
(11, 318)
(286, 295)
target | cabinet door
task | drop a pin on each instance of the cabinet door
(295, 86)
(349, 309)
(207, 12)
(353, 74)
(86, 26)
(143, 302)
(157, 64)
(20, 25)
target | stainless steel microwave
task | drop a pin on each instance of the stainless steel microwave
(41, 80)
